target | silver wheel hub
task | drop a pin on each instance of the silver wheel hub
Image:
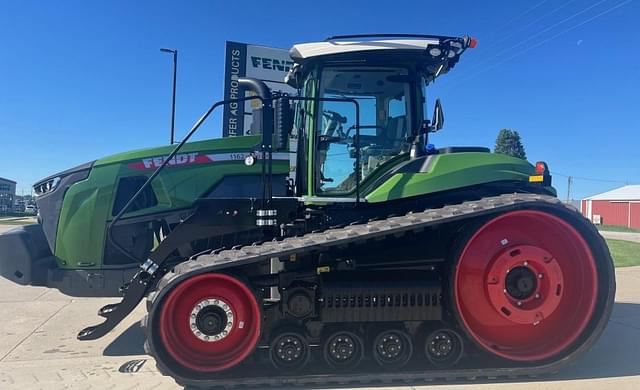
(217, 310)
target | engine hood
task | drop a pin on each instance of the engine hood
(190, 153)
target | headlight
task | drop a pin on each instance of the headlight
(46, 186)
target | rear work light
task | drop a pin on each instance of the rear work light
(542, 174)
(541, 168)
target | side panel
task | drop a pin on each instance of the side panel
(450, 171)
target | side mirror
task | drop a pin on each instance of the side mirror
(437, 122)
(293, 78)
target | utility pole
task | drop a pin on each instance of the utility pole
(569, 182)
(173, 104)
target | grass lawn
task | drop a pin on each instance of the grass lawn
(624, 253)
(616, 228)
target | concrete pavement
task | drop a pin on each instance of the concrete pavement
(626, 236)
(38, 348)
(4, 228)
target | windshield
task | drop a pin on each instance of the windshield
(383, 100)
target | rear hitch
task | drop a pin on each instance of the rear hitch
(134, 292)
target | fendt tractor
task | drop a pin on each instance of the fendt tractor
(334, 244)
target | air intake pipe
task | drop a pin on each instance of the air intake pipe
(263, 117)
(258, 86)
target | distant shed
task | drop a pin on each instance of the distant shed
(620, 206)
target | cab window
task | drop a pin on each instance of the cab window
(382, 99)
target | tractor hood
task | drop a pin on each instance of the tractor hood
(77, 205)
(51, 190)
(191, 153)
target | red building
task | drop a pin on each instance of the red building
(616, 207)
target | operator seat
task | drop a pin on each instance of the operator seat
(390, 143)
(396, 132)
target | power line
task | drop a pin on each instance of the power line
(519, 16)
(541, 42)
(523, 28)
(570, 17)
(589, 178)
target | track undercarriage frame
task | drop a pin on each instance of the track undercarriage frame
(344, 314)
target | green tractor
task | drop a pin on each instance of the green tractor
(333, 245)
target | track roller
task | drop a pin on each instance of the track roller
(343, 350)
(289, 350)
(392, 348)
(444, 348)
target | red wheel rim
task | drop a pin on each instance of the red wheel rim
(508, 311)
(191, 350)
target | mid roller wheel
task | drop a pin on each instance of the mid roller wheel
(392, 348)
(343, 349)
(444, 348)
(289, 350)
(209, 323)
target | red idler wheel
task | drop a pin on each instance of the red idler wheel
(525, 285)
(209, 322)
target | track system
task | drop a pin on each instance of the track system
(516, 260)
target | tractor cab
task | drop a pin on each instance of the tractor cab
(366, 105)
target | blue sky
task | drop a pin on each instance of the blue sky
(81, 80)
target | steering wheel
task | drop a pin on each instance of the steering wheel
(332, 115)
(333, 125)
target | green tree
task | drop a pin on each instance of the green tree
(508, 142)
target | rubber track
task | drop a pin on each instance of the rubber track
(354, 234)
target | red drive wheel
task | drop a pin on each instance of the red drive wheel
(210, 322)
(525, 285)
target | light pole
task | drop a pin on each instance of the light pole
(173, 105)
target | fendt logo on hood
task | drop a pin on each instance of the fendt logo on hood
(199, 158)
(179, 159)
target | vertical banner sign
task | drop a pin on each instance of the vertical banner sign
(234, 67)
(264, 63)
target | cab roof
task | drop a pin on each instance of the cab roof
(353, 45)
(433, 54)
